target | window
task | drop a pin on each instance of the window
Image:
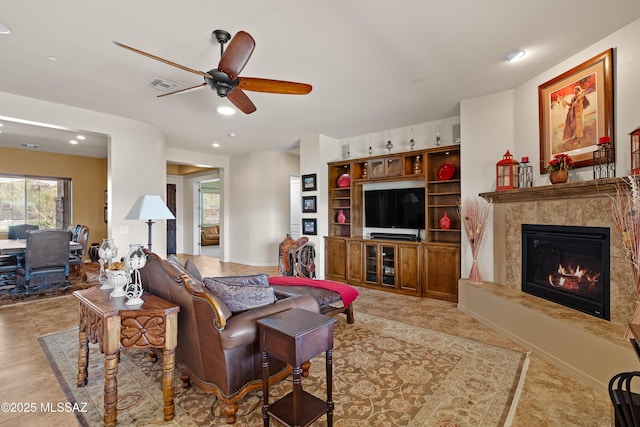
(210, 208)
(41, 201)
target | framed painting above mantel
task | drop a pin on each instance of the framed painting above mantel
(575, 110)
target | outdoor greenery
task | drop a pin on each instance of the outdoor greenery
(31, 201)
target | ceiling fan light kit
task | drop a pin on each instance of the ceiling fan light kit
(225, 80)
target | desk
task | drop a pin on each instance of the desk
(112, 324)
(295, 336)
(16, 247)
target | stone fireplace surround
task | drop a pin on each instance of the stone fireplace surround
(591, 349)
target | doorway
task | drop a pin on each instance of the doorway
(209, 217)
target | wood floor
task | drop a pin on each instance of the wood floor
(550, 397)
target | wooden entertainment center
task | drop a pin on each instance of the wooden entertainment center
(429, 267)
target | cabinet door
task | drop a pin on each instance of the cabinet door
(335, 259)
(388, 265)
(371, 263)
(410, 268)
(443, 271)
(354, 261)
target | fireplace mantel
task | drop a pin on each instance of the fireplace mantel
(568, 190)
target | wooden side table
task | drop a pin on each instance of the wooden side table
(295, 336)
(112, 324)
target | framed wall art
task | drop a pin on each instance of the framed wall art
(309, 182)
(575, 110)
(309, 226)
(309, 204)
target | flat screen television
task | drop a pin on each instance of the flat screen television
(395, 208)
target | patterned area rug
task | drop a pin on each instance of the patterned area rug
(385, 373)
(75, 283)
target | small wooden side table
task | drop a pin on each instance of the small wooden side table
(113, 324)
(295, 336)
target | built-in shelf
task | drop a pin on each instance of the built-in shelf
(580, 189)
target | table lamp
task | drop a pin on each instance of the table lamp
(149, 207)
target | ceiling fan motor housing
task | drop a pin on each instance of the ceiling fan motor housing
(221, 82)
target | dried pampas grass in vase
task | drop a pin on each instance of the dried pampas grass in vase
(474, 214)
(625, 210)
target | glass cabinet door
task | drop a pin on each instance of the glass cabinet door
(388, 265)
(371, 263)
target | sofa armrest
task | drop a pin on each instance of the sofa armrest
(242, 329)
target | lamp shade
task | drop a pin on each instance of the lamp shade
(149, 207)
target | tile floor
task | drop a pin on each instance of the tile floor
(550, 397)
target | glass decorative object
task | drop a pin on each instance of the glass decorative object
(525, 174)
(133, 261)
(507, 173)
(389, 146)
(604, 159)
(417, 165)
(106, 252)
(412, 141)
(437, 139)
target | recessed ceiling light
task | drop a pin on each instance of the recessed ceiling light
(27, 145)
(231, 134)
(215, 145)
(53, 58)
(73, 141)
(4, 29)
(81, 137)
(226, 110)
(514, 56)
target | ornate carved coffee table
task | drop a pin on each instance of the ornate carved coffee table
(112, 324)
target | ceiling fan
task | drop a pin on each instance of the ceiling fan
(225, 79)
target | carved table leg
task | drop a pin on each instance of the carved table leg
(168, 365)
(110, 389)
(111, 347)
(83, 358)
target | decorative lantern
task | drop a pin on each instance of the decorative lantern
(525, 174)
(506, 173)
(604, 159)
(133, 261)
(107, 252)
(635, 151)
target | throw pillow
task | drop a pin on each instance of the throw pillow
(261, 280)
(173, 258)
(192, 269)
(240, 297)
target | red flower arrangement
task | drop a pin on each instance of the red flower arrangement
(559, 162)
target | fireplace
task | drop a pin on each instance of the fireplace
(568, 265)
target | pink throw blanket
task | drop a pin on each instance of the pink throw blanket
(347, 293)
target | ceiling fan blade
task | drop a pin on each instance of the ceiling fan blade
(242, 101)
(237, 54)
(188, 89)
(157, 58)
(273, 86)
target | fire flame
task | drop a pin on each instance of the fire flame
(570, 278)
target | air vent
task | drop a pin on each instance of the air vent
(163, 85)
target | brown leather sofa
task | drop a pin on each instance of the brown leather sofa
(217, 350)
(209, 235)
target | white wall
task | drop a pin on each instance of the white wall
(521, 123)
(487, 132)
(259, 204)
(315, 152)
(130, 141)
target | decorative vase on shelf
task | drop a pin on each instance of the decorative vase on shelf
(342, 218)
(558, 176)
(445, 222)
(417, 165)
